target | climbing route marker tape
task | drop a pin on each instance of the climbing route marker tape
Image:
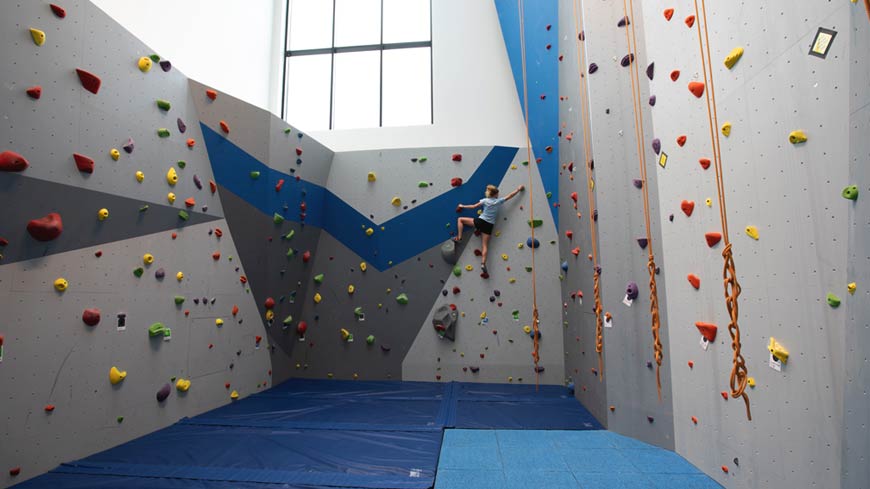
(773, 363)
(608, 322)
(628, 302)
(704, 343)
(663, 159)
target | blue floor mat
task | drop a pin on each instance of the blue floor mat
(310, 434)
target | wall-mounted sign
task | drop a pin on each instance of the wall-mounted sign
(822, 42)
(663, 159)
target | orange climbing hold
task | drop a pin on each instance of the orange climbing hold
(668, 13)
(212, 186)
(191, 143)
(235, 309)
(90, 81)
(211, 94)
(681, 140)
(675, 75)
(690, 21)
(708, 330)
(697, 88)
(225, 127)
(713, 239)
(725, 469)
(694, 420)
(694, 280)
(190, 202)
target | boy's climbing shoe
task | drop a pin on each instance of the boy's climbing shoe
(483, 268)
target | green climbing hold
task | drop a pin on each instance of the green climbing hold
(549, 195)
(138, 272)
(120, 419)
(155, 58)
(179, 300)
(423, 184)
(833, 300)
(525, 163)
(370, 339)
(422, 159)
(163, 104)
(255, 175)
(290, 252)
(290, 234)
(277, 218)
(457, 270)
(358, 312)
(536, 223)
(318, 279)
(163, 132)
(183, 215)
(516, 314)
(402, 298)
(157, 329)
(182, 164)
(288, 320)
(143, 208)
(851, 192)
(287, 130)
(528, 269)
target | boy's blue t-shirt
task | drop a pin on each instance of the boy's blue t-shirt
(490, 209)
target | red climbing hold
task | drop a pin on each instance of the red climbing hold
(574, 197)
(456, 290)
(675, 75)
(708, 330)
(90, 81)
(301, 328)
(216, 255)
(84, 163)
(35, 92)
(12, 161)
(713, 238)
(4, 242)
(688, 206)
(191, 143)
(576, 251)
(306, 257)
(681, 140)
(569, 234)
(211, 94)
(691, 364)
(690, 21)
(704, 162)
(694, 280)
(279, 185)
(190, 202)
(212, 186)
(298, 151)
(456, 157)
(58, 11)
(243, 279)
(14, 471)
(225, 127)
(235, 310)
(218, 232)
(549, 26)
(455, 182)
(49, 408)
(46, 228)
(548, 149)
(258, 339)
(697, 88)
(91, 317)
(725, 469)
(668, 13)
(724, 395)
(270, 303)
(694, 420)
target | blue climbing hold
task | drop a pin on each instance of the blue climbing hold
(533, 243)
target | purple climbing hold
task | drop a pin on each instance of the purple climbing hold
(652, 100)
(631, 290)
(637, 183)
(582, 36)
(627, 59)
(623, 22)
(657, 145)
(163, 393)
(474, 370)
(128, 147)
(651, 70)
(593, 68)
(159, 274)
(595, 215)
(671, 218)
(539, 369)
(385, 348)
(181, 126)
(497, 292)
(642, 242)
(444, 292)
(165, 65)
(197, 182)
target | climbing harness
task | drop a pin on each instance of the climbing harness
(641, 155)
(535, 331)
(584, 109)
(739, 373)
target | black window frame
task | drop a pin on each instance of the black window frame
(332, 51)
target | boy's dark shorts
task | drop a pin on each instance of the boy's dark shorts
(483, 226)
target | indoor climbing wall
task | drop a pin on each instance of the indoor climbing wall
(629, 391)
(123, 308)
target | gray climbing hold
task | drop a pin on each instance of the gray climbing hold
(449, 252)
(444, 321)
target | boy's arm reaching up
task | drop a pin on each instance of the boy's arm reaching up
(473, 206)
(515, 192)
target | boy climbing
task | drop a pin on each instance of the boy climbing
(486, 220)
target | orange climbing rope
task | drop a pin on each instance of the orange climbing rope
(584, 108)
(535, 343)
(739, 373)
(641, 156)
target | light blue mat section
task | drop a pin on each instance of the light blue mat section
(522, 459)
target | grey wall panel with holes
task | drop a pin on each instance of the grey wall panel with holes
(51, 357)
(581, 360)
(68, 119)
(498, 344)
(791, 193)
(398, 176)
(856, 416)
(628, 345)
(270, 271)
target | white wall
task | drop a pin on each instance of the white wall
(227, 44)
(476, 101)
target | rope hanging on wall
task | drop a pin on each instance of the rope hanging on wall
(739, 374)
(641, 156)
(535, 327)
(584, 109)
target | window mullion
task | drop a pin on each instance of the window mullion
(332, 68)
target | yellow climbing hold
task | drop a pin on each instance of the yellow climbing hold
(851, 287)
(179, 276)
(61, 284)
(363, 266)
(726, 129)
(270, 315)
(103, 214)
(170, 197)
(513, 167)
(38, 36)
(145, 64)
(483, 315)
(733, 57)
(396, 201)
(370, 232)
(512, 280)
(777, 350)
(752, 232)
(520, 246)
(350, 289)
(182, 385)
(497, 234)
(527, 329)
(709, 202)
(234, 395)
(469, 267)
(116, 376)
(750, 381)
(372, 177)
(218, 322)
(147, 258)
(591, 184)
(796, 137)
(504, 256)
(140, 176)
(345, 334)
(115, 154)
(317, 298)
(171, 176)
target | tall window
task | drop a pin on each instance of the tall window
(357, 64)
